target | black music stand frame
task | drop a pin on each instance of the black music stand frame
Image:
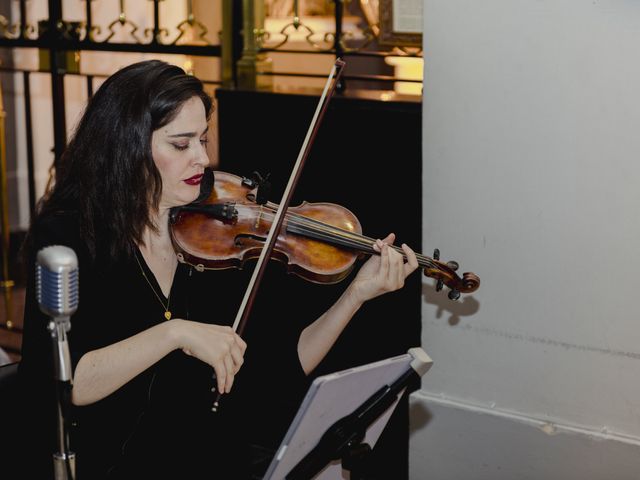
(345, 439)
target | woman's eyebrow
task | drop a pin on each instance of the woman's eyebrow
(188, 134)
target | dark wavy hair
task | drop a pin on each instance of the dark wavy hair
(107, 173)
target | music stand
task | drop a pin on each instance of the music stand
(341, 418)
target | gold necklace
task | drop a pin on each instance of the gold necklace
(167, 313)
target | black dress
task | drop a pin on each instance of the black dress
(160, 424)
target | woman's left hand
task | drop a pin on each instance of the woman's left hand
(385, 272)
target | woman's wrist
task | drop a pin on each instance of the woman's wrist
(353, 297)
(174, 333)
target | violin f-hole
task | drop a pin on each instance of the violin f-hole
(239, 240)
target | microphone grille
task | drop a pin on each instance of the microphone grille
(57, 280)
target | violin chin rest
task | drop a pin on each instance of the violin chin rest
(206, 185)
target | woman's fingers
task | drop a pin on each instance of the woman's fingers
(221, 375)
(232, 358)
(395, 278)
(385, 263)
(389, 239)
(230, 368)
(398, 269)
(221, 347)
(412, 261)
(386, 271)
(237, 358)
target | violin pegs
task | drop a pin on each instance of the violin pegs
(439, 285)
(249, 182)
(453, 265)
(454, 294)
(436, 254)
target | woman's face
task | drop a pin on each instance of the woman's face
(179, 151)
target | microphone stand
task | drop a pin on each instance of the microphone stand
(64, 461)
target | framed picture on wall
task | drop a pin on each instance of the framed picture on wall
(401, 22)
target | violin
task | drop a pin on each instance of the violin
(320, 242)
(232, 223)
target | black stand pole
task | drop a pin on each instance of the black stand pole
(344, 439)
(64, 461)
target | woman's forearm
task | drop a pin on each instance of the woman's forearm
(380, 274)
(101, 372)
(317, 339)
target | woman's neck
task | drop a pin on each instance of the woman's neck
(157, 250)
(158, 240)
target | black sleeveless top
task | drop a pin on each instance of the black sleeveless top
(160, 424)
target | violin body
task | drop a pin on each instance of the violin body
(229, 240)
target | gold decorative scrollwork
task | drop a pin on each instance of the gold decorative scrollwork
(263, 36)
(350, 40)
(368, 38)
(4, 27)
(162, 32)
(361, 36)
(12, 31)
(123, 22)
(191, 24)
(328, 38)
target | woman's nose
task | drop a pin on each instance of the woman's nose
(201, 157)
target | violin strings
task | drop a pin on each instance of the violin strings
(352, 238)
(316, 229)
(322, 231)
(332, 234)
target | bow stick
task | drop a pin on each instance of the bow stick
(258, 272)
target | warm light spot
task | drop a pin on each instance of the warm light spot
(409, 68)
(187, 66)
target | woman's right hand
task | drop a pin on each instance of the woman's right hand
(219, 346)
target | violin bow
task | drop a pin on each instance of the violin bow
(258, 272)
(265, 254)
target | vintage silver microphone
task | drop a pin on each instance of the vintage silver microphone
(57, 294)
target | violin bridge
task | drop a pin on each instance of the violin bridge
(258, 217)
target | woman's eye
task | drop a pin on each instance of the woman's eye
(204, 141)
(180, 146)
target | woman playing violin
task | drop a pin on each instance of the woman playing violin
(151, 340)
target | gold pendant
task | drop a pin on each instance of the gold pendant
(167, 315)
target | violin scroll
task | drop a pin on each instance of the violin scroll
(445, 274)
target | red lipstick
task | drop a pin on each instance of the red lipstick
(195, 180)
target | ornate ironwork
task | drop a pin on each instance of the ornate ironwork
(17, 30)
(193, 25)
(349, 41)
(361, 38)
(123, 22)
(60, 43)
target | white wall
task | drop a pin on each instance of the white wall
(532, 181)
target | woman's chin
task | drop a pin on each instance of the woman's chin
(180, 201)
(190, 196)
